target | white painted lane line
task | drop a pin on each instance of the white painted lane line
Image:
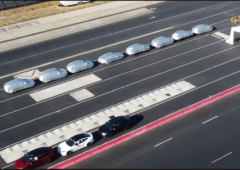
(210, 119)
(163, 142)
(119, 32)
(113, 65)
(110, 107)
(73, 56)
(90, 51)
(122, 86)
(30, 121)
(222, 157)
(7, 166)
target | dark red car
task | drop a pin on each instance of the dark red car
(35, 158)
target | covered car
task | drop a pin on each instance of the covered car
(75, 143)
(79, 65)
(137, 48)
(52, 74)
(18, 84)
(202, 28)
(110, 57)
(162, 41)
(178, 35)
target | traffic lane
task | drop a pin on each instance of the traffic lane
(54, 119)
(195, 149)
(188, 137)
(105, 30)
(110, 78)
(126, 65)
(92, 49)
(174, 128)
(159, 74)
(230, 161)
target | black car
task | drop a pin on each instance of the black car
(114, 125)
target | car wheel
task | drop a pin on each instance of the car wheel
(80, 3)
(109, 135)
(48, 161)
(69, 152)
(127, 127)
(89, 144)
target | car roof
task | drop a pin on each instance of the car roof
(117, 119)
(38, 151)
(80, 136)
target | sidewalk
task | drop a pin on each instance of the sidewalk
(47, 28)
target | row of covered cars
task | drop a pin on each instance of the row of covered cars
(80, 65)
(40, 156)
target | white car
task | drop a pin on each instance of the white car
(52, 74)
(137, 48)
(71, 3)
(110, 57)
(202, 28)
(17, 85)
(75, 143)
(181, 34)
(162, 41)
(79, 65)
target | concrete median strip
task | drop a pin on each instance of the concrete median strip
(64, 87)
(146, 128)
(94, 120)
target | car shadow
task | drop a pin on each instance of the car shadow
(96, 63)
(97, 137)
(56, 154)
(135, 119)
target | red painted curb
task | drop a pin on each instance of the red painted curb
(143, 129)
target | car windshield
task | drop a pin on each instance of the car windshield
(109, 125)
(27, 158)
(70, 142)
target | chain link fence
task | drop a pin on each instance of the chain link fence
(14, 4)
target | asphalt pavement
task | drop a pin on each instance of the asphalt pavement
(204, 139)
(202, 60)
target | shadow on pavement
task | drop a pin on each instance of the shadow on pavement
(135, 119)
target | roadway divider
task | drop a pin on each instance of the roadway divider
(95, 120)
(144, 129)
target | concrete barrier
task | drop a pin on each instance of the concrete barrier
(93, 121)
(143, 129)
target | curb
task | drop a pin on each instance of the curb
(141, 130)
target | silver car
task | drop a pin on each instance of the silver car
(181, 34)
(137, 48)
(79, 65)
(52, 74)
(202, 28)
(162, 41)
(18, 84)
(110, 57)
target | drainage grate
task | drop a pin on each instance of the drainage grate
(19, 26)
